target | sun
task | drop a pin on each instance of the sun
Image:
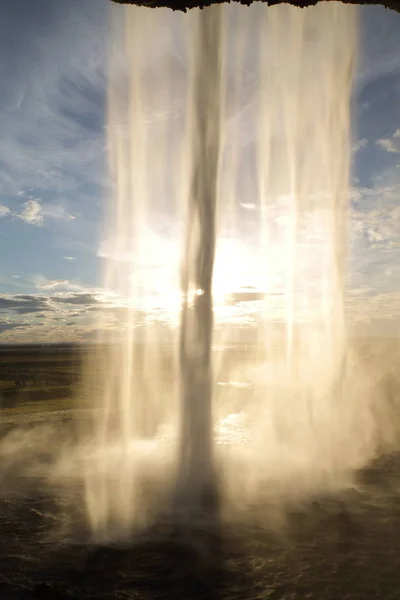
(155, 279)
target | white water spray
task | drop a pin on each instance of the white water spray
(250, 107)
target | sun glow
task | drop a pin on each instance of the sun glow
(244, 282)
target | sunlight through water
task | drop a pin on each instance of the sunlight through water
(225, 238)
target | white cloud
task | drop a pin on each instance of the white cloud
(391, 144)
(45, 142)
(4, 211)
(31, 213)
(56, 283)
(56, 211)
(35, 213)
(64, 287)
(379, 225)
(69, 258)
(388, 145)
(359, 145)
(42, 283)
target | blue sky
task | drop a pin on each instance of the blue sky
(53, 167)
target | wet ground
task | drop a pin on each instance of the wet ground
(338, 547)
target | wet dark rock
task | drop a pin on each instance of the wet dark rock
(278, 594)
(184, 5)
(182, 569)
(44, 591)
(8, 592)
(41, 591)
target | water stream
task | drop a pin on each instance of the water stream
(228, 132)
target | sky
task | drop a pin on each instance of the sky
(54, 182)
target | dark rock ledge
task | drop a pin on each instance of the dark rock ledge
(184, 5)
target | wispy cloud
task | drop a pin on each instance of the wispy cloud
(85, 299)
(23, 303)
(56, 211)
(56, 283)
(391, 144)
(31, 213)
(7, 326)
(359, 145)
(69, 258)
(53, 315)
(388, 145)
(34, 212)
(4, 211)
(52, 147)
(379, 225)
(64, 286)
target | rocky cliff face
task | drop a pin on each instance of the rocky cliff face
(185, 5)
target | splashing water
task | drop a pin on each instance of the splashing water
(250, 106)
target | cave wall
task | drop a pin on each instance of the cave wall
(184, 5)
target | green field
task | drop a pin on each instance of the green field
(34, 379)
